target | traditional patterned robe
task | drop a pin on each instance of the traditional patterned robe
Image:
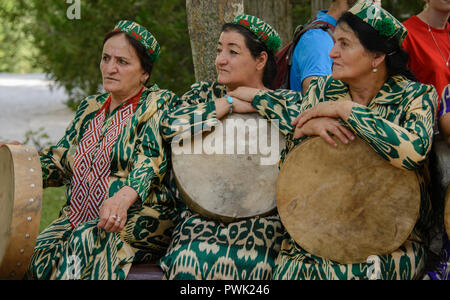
(207, 249)
(398, 125)
(139, 159)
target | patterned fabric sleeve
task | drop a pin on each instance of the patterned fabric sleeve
(195, 113)
(53, 159)
(149, 159)
(281, 105)
(408, 144)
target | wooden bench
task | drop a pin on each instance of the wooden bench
(147, 271)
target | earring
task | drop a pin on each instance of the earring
(374, 70)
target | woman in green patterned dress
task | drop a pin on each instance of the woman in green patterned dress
(113, 161)
(373, 95)
(202, 248)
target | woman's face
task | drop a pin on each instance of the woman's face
(121, 68)
(350, 59)
(234, 63)
(439, 5)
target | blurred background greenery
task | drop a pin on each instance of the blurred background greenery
(37, 37)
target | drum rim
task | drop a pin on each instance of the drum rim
(4, 247)
(287, 226)
(26, 216)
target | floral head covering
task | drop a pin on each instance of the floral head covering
(381, 20)
(265, 33)
(142, 35)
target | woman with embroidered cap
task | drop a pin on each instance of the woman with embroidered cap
(112, 161)
(202, 248)
(372, 94)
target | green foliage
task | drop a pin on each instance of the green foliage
(301, 12)
(53, 199)
(37, 35)
(37, 138)
(16, 47)
(70, 49)
(403, 9)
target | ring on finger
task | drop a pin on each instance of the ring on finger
(119, 219)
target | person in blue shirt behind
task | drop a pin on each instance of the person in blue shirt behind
(310, 57)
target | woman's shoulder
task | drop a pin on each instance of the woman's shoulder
(92, 102)
(206, 90)
(208, 85)
(327, 84)
(156, 91)
(411, 87)
(157, 95)
(204, 85)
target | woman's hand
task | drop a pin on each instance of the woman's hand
(331, 109)
(239, 106)
(244, 93)
(113, 213)
(323, 127)
(242, 107)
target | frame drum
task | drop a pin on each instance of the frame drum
(346, 203)
(232, 179)
(447, 211)
(20, 208)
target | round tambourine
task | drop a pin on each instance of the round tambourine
(346, 203)
(232, 175)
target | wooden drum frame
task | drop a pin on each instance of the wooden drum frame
(20, 208)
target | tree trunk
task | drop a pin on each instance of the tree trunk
(277, 13)
(317, 5)
(205, 19)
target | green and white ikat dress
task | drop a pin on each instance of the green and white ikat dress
(206, 249)
(398, 125)
(139, 158)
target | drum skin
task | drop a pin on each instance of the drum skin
(230, 187)
(20, 208)
(346, 203)
(447, 211)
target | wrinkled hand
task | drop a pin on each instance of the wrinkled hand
(331, 109)
(244, 93)
(325, 127)
(113, 213)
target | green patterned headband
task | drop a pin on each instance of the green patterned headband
(381, 20)
(265, 33)
(142, 35)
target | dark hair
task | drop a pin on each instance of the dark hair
(350, 3)
(396, 57)
(256, 47)
(141, 51)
